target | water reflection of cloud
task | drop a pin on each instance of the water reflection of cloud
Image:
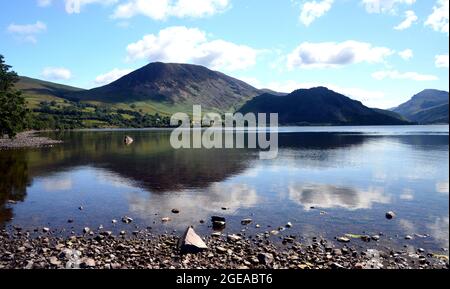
(114, 180)
(52, 185)
(194, 206)
(407, 195)
(440, 230)
(407, 226)
(329, 196)
(442, 187)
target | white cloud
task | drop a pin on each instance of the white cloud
(44, 3)
(163, 9)
(438, 20)
(410, 18)
(384, 6)
(313, 9)
(56, 73)
(27, 32)
(441, 61)
(394, 74)
(190, 45)
(74, 6)
(111, 76)
(406, 54)
(332, 54)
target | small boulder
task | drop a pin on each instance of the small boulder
(128, 140)
(190, 242)
(127, 219)
(265, 258)
(234, 238)
(246, 221)
(390, 215)
(343, 239)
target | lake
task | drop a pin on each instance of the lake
(326, 181)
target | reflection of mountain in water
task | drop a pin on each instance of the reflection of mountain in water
(151, 163)
(328, 196)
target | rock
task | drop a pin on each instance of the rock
(86, 230)
(245, 222)
(337, 252)
(289, 225)
(221, 250)
(376, 237)
(128, 140)
(69, 221)
(274, 232)
(390, 215)
(123, 233)
(99, 238)
(114, 221)
(408, 237)
(265, 258)
(257, 226)
(166, 219)
(288, 240)
(218, 225)
(175, 211)
(80, 208)
(343, 239)
(106, 233)
(127, 220)
(366, 238)
(190, 242)
(234, 238)
(217, 219)
(54, 261)
(216, 234)
(45, 230)
(88, 262)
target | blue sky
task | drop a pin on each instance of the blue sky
(378, 51)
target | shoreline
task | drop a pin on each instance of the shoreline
(142, 249)
(27, 139)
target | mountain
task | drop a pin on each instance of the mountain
(427, 107)
(170, 87)
(37, 91)
(319, 106)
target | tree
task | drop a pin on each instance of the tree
(13, 111)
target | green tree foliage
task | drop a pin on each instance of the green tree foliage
(13, 111)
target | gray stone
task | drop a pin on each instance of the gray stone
(190, 242)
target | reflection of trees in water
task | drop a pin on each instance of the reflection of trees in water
(13, 180)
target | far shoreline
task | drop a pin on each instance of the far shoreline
(29, 139)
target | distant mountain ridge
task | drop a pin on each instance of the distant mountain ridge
(319, 106)
(152, 93)
(430, 106)
(174, 87)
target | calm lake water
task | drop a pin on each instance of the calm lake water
(326, 181)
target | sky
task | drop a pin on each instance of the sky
(380, 52)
